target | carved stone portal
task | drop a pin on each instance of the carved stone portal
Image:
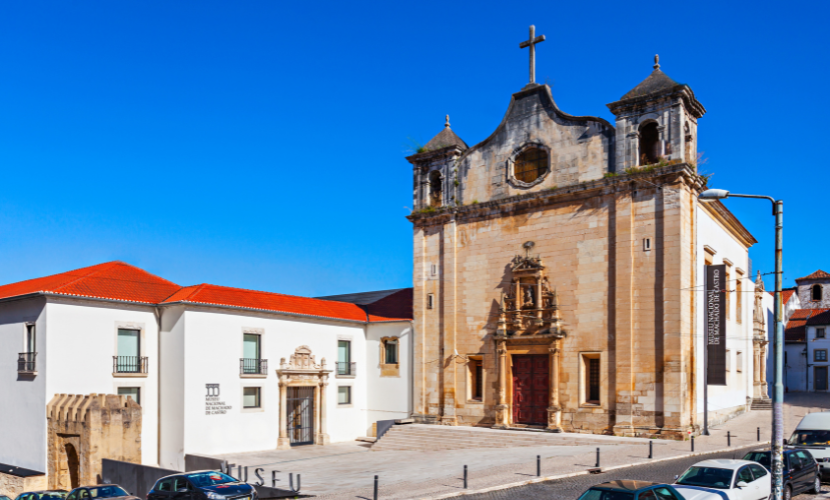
(302, 370)
(529, 318)
(759, 343)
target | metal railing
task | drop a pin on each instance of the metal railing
(129, 364)
(26, 362)
(253, 366)
(346, 369)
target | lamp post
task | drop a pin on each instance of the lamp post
(778, 338)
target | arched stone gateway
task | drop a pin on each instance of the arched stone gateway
(303, 385)
(83, 430)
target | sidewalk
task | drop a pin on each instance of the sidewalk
(347, 470)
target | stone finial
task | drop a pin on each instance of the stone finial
(447, 124)
(759, 283)
(656, 61)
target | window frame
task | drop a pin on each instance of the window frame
(739, 358)
(137, 399)
(389, 369)
(475, 378)
(823, 333)
(585, 382)
(815, 355)
(813, 288)
(30, 338)
(258, 336)
(348, 393)
(512, 162)
(258, 390)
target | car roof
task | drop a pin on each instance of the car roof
(723, 463)
(815, 421)
(627, 485)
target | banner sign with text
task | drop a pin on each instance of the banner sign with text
(716, 287)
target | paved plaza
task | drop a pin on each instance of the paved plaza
(347, 470)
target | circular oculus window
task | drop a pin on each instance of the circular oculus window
(530, 164)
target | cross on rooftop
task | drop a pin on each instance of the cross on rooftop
(531, 42)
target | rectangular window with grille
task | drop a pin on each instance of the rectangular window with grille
(476, 373)
(820, 355)
(391, 352)
(593, 381)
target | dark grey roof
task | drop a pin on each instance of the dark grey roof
(445, 138)
(18, 471)
(361, 298)
(656, 82)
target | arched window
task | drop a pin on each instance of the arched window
(816, 293)
(649, 144)
(435, 188)
(531, 164)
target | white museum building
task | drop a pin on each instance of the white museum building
(215, 369)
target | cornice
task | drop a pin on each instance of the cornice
(722, 214)
(670, 174)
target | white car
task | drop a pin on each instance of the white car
(725, 480)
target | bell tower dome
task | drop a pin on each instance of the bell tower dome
(656, 120)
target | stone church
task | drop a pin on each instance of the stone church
(556, 265)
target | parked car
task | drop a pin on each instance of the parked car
(201, 485)
(813, 433)
(42, 495)
(801, 472)
(625, 489)
(734, 479)
(100, 491)
(4, 497)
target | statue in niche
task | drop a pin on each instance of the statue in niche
(528, 298)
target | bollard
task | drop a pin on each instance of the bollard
(728, 438)
(538, 466)
(693, 443)
(597, 458)
(651, 449)
(376, 488)
(759, 433)
(465, 477)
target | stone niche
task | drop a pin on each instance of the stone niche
(84, 429)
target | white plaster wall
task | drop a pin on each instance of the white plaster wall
(738, 335)
(389, 397)
(212, 350)
(795, 372)
(23, 414)
(768, 302)
(172, 365)
(81, 343)
(814, 343)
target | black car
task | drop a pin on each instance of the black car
(626, 489)
(201, 485)
(801, 472)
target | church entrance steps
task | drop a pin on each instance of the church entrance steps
(423, 437)
(761, 404)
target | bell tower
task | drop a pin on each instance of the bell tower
(656, 121)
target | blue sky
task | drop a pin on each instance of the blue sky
(261, 144)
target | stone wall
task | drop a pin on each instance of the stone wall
(12, 485)
(83, 430)
(805, 293)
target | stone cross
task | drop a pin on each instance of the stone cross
(531, 42)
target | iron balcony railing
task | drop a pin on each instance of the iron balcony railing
(129, 364)
(253, 366)
(26, 362)
(346, 369)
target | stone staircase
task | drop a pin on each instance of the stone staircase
(422, 437)
(761, 404)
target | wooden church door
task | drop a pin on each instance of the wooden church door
(530, 389)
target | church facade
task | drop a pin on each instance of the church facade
(558, 271)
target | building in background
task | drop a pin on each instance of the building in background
(214, 369)
(807, 316)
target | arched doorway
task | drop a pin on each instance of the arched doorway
(69, 468)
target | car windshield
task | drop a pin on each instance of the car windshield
(801, 437)
(51, 495)
(762, 457)
(107, 492)
(201, 479)
(602, 494)
(710, 477)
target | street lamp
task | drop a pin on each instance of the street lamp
(709, 196)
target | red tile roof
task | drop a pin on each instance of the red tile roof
(786, 294)
(122, 282)
(206, 294)
(110, 280)
(795, 331)
(818, 275)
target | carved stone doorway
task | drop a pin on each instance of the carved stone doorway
(305, 412)
(300, 410)
(530, 389)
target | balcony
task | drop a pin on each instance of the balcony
(253, 367)
(129, 366)
(26, 363)
(345, 369)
